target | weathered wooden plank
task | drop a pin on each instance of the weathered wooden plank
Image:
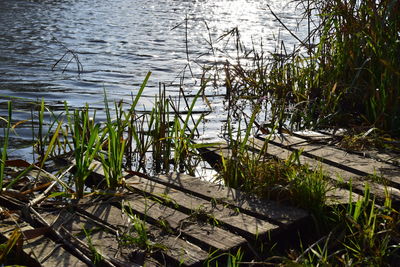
(246, 225)
(41, 249)
(273, 211)
(177, 249)
(52, 254)
(72, 227)
(203, 234)
(383, 155)
(93, 218)
(353, 163)
(334, 196)
(314, 136)
(268, 210)
(339, 175)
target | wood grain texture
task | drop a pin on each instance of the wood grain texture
(246, 225)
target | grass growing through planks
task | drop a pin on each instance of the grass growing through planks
(138, 234)
(362, 234)
(250, 170)
(97, 259)
(273, 179)
(225, 259)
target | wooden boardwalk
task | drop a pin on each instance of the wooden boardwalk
(186, 221)
(346, 170)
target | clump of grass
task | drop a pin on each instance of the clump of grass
(225, 259)
(253, 171)
(371, 232)
(86, 145)
(362, 234)
(308, 189)
(97, 259)
(138, 234)
(279, 180)
(115, 146)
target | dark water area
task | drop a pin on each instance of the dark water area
(118, 42)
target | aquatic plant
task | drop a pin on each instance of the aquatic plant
(342, 75)
(185, 150)
(115, 146)
(6, 130)
(86, 145)
(161, 133)
(97, 258)
(167, 134)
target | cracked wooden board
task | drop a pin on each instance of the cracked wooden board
(246, 225)
(354, 163)
(180, 250)
(341, 176)
(202, 234)
(38, 248)
(106, 222)
(272, 211)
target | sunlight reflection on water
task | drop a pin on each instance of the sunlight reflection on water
(119, 41)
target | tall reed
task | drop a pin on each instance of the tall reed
(344, 74)
(113, 163)
(86, 144)
(5, 145)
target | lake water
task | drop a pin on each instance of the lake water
(118, 42)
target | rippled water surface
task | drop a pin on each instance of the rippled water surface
(119, 41)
